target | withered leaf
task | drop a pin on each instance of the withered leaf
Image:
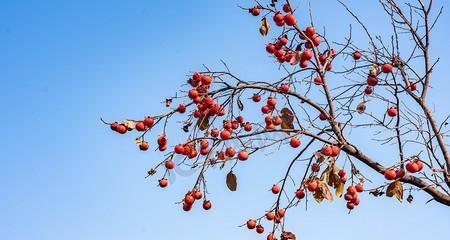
(322, 192)
(296, 58)
(376, 193)
(138, 141)
(168, 102)
(129, 124)
(231, 181)
(151, 172)
(240, 104)
(410, 198)
(361, 108)
(288, 236)
(395, 189)
(374, 70)
(265, 27)
(287, 118)
(203, 122)
(339, 189)
(326, 191)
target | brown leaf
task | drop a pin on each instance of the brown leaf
(326, 191)
(231, 181)
(395, 188)
(287, 118)
(322, 192)
(240, 104)
(203, 122)
(168, 102)
(339, 189)
(374, 70)
(151, 172)
(296, 58)
(288, 236)
(410, 198)
(361, 108)
(129, 124)
(265, 27)
(138, 141)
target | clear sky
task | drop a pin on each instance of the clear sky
(63, 175)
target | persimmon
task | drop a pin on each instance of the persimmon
(270, 216)
(181, 108)
(140, 126)
(255, 11)
(392, 112)
(390, 174)
(281, 213)
(198, 195)
(372, 81)
(189, 199)
(351, 190)
(271, 102)
(230, 151)
(207, 205)
(295, 142)
(144, 146)
(270, 48)
(259, 229)
(278, 17)
(121, 129)
(251, 224)
(275, 189)
(300, 194)
(287, 8)
(114, 126)
(386, 68)
(359, 187)
(225, 134)
(148, 121)
(248, 127)
(356, 55)
(290, 20)
(163, 183)
(243, 155)
(284, 88)
(169, 164)
(256, 97)
(312, 186)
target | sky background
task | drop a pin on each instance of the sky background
(64, 175)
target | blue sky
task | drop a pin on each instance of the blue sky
(63, 175)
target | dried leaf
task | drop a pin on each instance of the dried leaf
(339, 189)
(231, 181)
(168, 102)
(361, 108)
(240, 104)
(265, 27)
(129, 124)
(410, 198)
(203, 122)
(395, 188)
(287, 118)
(151, 172)
(322, 192)
(138, 141)
(288, 236)
(374, 70)
(318, 196)
(296, 58)
(326, 191)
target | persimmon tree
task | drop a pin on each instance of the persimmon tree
(314, 109)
